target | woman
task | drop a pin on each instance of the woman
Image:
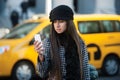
(64, 56)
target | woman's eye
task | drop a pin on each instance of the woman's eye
(61, 21)
(55, 21)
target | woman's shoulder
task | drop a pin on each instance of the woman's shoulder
(82, 42)
(46, 42)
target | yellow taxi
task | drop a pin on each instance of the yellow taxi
(99, 31)
(101, 35)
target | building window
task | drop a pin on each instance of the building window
(75, 4)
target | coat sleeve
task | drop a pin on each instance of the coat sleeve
(43, 67)
(93, 72)
(86, 73)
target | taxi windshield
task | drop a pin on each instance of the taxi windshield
(21, 30)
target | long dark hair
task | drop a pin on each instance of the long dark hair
(55, 71)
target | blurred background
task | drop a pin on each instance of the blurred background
(13, 12)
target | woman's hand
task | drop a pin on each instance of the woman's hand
(39, 49)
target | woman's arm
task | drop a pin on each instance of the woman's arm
(43, 65)
(85, 62)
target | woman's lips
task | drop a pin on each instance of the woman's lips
(58, 29)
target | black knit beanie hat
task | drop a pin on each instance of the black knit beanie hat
(61, 12)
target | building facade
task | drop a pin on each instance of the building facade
(44, 7)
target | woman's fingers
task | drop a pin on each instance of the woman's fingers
(36, 43)
(38, 47)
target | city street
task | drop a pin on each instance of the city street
(117, 77)
(110, 78)
(66, 31)
(101, 77)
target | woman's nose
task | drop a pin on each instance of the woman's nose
(57, 24)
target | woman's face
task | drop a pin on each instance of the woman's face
(60, 26)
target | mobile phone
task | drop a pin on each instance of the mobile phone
(37, 37)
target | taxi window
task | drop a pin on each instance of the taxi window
(45, 32)
(89, 27)
(108, 26)
(21, 30)
(117, 25)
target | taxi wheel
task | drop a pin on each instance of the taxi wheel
(111, 66)
(23, 71)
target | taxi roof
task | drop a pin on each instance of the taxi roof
(80, 17)
(96, 16)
